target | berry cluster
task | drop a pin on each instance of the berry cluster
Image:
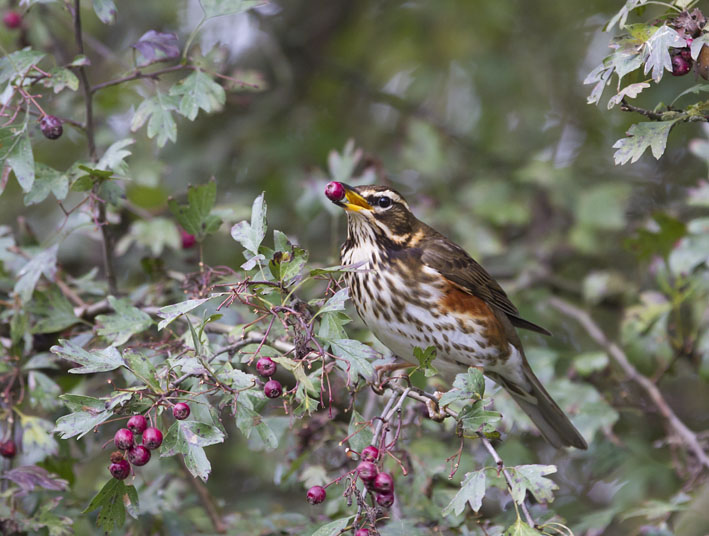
(8, 449)
(267, 367)
(129, 451)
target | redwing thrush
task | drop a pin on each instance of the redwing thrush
(417, 288)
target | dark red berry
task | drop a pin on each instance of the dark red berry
(8, 449)
(367, 471)
(138, 455)
(137, 424)
(680, 66)
(180, 411)
(266, 367)
(316, 495)
(385, 499)
(335, 191)
(363, 532)
(123, 439)
(383, 483)
(51, 127)
(686, 54)
(120, 470)
(188, 240)
(12, 20)
(152, 438)
(370, 453)
(273, 389)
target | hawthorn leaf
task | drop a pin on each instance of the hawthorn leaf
(156, 46)
(531, 477)
(157, 111)
(331, 326)
(47, 180)
(196, 216)
(37, 439)
(54, 310)
(334, 528)
(91, 361)
(198, 91)
(631, 91)
(520, 528)
(21, 160)
(140, 365)
(18, 63)
(87, 413)
(45, 263)
(472, 491)
(250, 235)
(651, 134)
(115, 155)
(475, 418)
(216, 8)
(336, 302)
(354, 357)
(248, 419)
(657, 48)
(359, 432)
(120, 326)
(30, 477)
(467, 386)
(170, 313)
(189, 439)
(112, 500)
(60, 78)
(105, 10)
(601, 77)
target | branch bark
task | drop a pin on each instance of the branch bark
(685, 435)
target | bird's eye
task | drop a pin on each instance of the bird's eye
(384, 202)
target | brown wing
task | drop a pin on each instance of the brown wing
(456, 265)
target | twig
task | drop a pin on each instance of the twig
(681, 115)
(687, 436)
(138, 75)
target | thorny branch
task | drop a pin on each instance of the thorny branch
(684, 434)
(681, 115)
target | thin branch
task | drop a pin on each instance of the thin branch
(138, 75)
(685, 117)
(686, 436)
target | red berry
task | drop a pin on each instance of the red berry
(12, 20)
(266, 367)
(120, 470)
(51, 127)
(370, 453)
(363, 532)
(686, 53)
(385, 499)
(123, 439)
(188, 240)
(152, 438)
(680, 66)
(180, 411)
(273, 389)
(383, 483)
(335, 191)
(138, 455)
(137, 424)
(367, 471)
(8, 449)
(316, 495)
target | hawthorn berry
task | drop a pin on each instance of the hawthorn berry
(363, 532)
(123, 439)
(180, 411)
(335, 191)
(680, 66)
(383, 483)
(8, 449)
(370, 453)
(116, 456)
(273, 389)
(367, 471)
(266, 367)
(51, 127)
(316, 495)
(385, 499)
(138, 455)
(137, 424)
(188, 240)
(152, 438)
(12, 20)
(120, 470)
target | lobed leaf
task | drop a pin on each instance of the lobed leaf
(472, 491)
(91, 361)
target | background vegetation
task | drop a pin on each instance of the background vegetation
(478, 113)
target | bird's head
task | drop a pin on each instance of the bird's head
(383, 210)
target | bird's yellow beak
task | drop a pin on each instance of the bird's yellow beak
(355, 202)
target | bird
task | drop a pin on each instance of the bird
(414, 287)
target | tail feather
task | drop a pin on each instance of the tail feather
(548, 417)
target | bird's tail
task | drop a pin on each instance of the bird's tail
(548, 417)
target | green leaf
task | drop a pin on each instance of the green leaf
(120, 326)
(467, 386)
(336, 302)
(651, 134)
(248, 419)
(334, 528)
(155, 234)
(589, 362)
(215, 8)
(115, 155)
(531, 477)
(472, 491)
(355, 355)
(331, 326)
(47, 180)
(658, 51)
(425, 359)
(189, 439)
(660, 241)
(93, 361)
(105, 10)
(42, 263)
(362, 438)
(112, 501)
(250, 235)
(520, 528)
(170, 313)
(20, 159)
(140, 365)
(61, 78)
(475, 418)
(87, 413)
(18, 64)
(55, 312)
(197, 91)
(157, 111)
(195, 217)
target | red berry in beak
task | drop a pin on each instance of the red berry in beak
(335, 191)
